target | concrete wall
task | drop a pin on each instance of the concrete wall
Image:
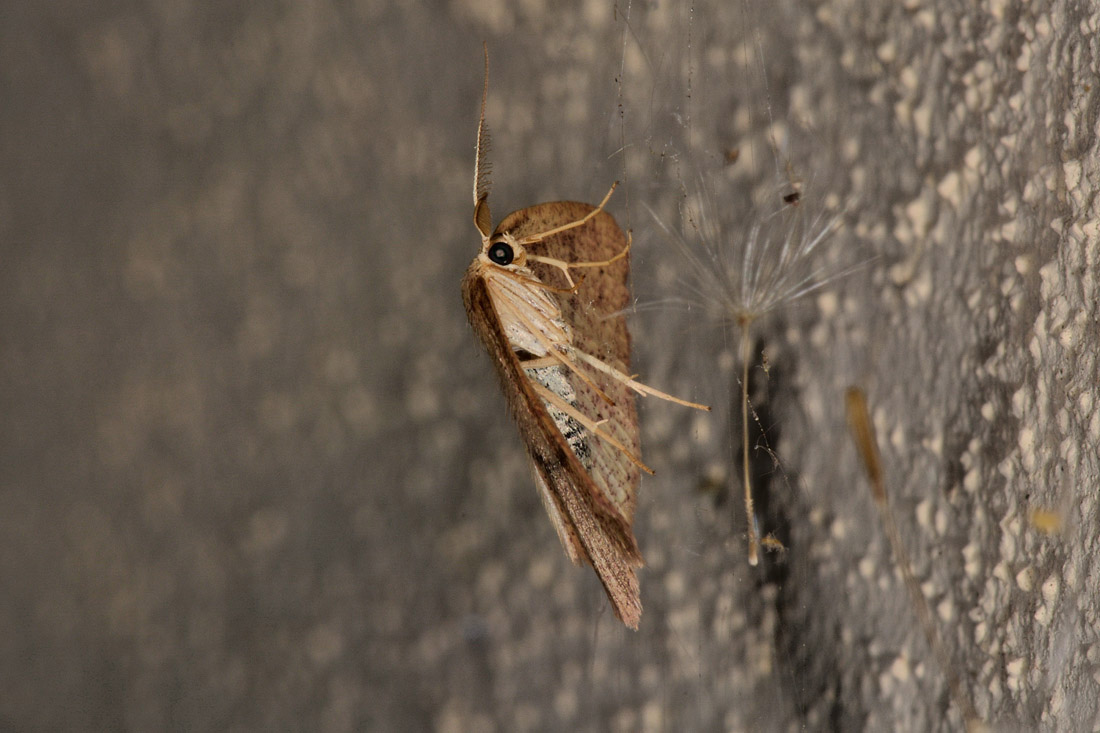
(257, 474)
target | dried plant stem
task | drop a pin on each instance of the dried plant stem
(859, 420)
(746, 356)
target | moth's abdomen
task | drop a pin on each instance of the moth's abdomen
(556, 379)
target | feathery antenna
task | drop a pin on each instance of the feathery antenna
(482, 219)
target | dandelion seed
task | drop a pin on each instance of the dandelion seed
(738, 276)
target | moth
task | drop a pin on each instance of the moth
(545, 295)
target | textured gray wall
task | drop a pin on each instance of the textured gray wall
(256, 473)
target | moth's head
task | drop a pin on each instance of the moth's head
(503, 250)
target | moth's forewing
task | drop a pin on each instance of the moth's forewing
(587, 529)
(603, 291)
(562, 524)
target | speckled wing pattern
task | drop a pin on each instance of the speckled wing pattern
(589, 486)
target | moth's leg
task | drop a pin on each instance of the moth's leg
(564, 266)
(554, 349)
(629, 381)
(536, 283)
(561, 351)
(571, 225)
(587, 422)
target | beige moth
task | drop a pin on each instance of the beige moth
(545, 295)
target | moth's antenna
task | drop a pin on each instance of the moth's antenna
(482, 168)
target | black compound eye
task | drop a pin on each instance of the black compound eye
(501, 253)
